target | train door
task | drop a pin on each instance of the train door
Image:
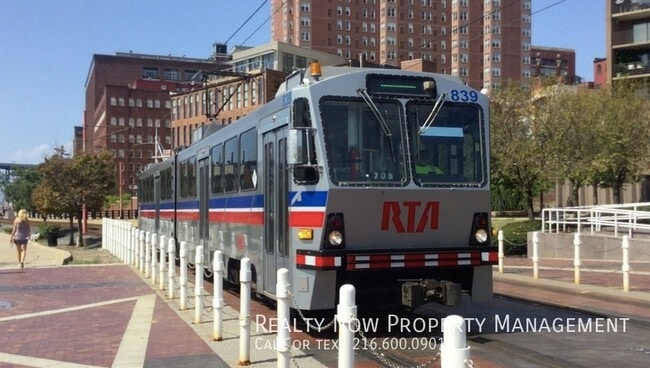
(276, 221)
(156, 196)
(203, 188)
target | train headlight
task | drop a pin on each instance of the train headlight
(335, 238)
(480, 233)
(334, 234)
(481, 236)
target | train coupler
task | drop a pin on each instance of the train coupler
(416, 293)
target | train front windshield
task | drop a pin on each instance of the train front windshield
(366, 143)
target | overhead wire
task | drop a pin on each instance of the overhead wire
(246, 21)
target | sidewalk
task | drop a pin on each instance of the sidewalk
(37, 255)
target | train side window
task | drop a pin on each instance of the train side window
(302, 146)
(301, 116)
(183, 179)
(191, 177)
(231, 163)
(248, 160)
(217, 169)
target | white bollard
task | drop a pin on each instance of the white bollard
(245, 278)
(134, 246)
(346, 314)
(154, 247)
(283, 339)
(171, 250)
(626, 263)
(161, 264)
(141, 252)
(217, 299)
(535, 255)
(576, 258)
(198, 284)
(147, 255)
(500, 237)
(104, 233)
(183, 276)
(454, 352)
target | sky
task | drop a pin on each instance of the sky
(46, 47)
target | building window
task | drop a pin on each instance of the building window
(150, 72)
(171, 74)
(189, 74)
(113, 101)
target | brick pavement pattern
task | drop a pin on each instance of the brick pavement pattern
(81, 315)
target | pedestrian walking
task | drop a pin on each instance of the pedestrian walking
(20, 235)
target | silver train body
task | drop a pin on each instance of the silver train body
(373, 177)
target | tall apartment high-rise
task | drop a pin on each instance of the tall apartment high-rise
(628, 40)
(485, 43)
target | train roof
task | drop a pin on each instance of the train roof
(303, 77)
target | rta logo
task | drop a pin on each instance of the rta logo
(418, 217)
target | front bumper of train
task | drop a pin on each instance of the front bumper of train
(395, 259)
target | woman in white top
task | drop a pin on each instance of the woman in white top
(20, 235)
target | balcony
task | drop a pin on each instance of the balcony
(631, 70)
(636, 10)
(631, 39)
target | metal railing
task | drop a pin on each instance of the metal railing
(628, 218)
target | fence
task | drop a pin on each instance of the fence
(578, 257)
(155, 257)
(111, 214)
(630, 218)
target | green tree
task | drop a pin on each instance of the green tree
(517, 145)
(70, 184)
(93, 182)
(570, 120)
(624, 126)
(19, 190)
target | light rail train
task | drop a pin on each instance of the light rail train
(373, 177)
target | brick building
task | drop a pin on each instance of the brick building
(128, 107)
(485, 43)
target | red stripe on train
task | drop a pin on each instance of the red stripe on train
(306, 219)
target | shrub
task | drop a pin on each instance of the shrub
(515, 236)
(47, 227)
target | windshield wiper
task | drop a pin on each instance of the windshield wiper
(375, 111)
(437, 106)
(382, 122)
